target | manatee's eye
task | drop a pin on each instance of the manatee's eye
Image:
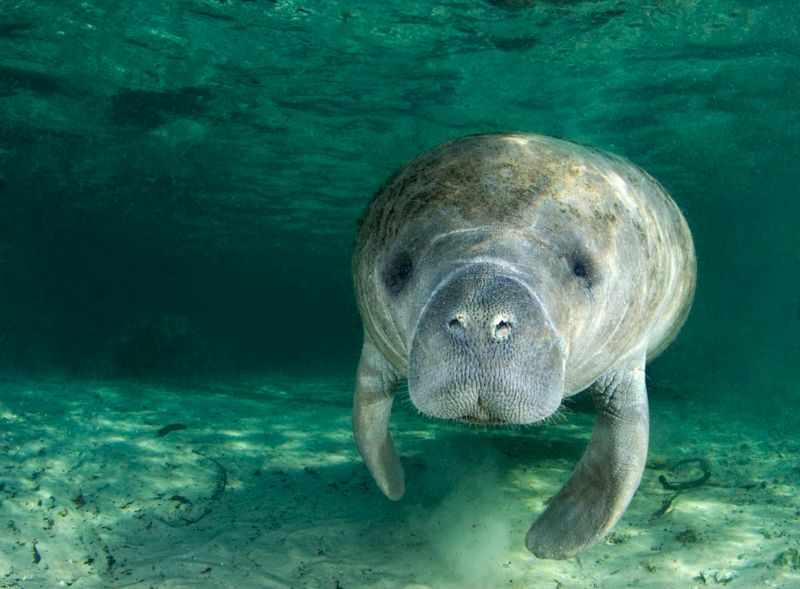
(584, 268)
(398, 272)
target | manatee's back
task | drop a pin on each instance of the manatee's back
(671, 289)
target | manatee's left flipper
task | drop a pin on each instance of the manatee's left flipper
(376, 383)
(604, 481)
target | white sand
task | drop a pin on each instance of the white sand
(264, 489)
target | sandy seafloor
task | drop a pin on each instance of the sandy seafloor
(263, 488)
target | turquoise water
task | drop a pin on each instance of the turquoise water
(179, 189)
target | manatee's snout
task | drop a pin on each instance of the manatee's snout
(485, 351)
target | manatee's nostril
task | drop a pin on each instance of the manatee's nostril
(502, 328)
(457, 323)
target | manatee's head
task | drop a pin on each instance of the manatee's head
(476, 276)
(485, 350)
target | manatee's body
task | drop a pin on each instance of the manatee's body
(501, 274)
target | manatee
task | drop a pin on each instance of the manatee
(501, 274)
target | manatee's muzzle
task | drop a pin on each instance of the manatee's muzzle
(485, 351)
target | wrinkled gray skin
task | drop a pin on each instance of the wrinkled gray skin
(502, 274)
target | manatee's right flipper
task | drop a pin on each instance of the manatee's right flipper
(376, 382)
(604, 481)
